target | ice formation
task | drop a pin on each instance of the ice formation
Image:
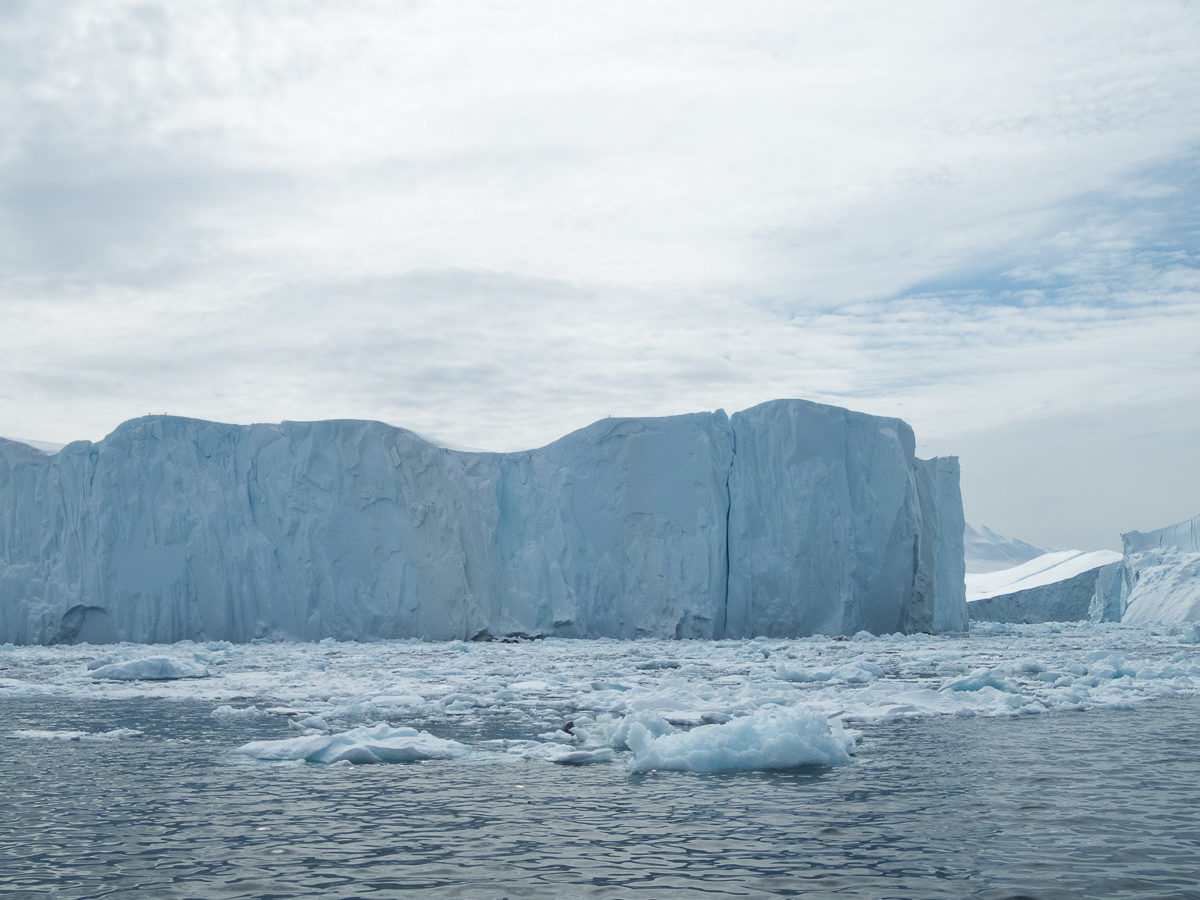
(786, 519)
(1158, 580)
(1054, 587)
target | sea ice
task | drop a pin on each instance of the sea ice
(603, 688)
(379, 744)
(768, 739)
(558, 753)
(116, 734)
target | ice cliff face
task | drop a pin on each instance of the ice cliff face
(835, 526)
(788, 519)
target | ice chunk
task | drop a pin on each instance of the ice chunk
(116, 734)
(857, 672)
(769, 739)
(151, 668)
(560, 754)
(378, 744)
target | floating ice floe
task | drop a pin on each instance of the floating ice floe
(556, 752)
(230, 712)
(151, 668)
(378, 744)
(769, 739)
(117, 734)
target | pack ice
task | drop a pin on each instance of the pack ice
(787, 519)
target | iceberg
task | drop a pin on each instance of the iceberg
(150, 668)
(1054, 587)
(768, 739)
(1157, 580)
(787, 519)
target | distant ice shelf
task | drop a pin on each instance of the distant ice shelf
(787, 519)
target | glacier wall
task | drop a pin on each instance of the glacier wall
(787, 519)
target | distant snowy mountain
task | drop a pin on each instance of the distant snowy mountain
(987, 551)
(44, 446)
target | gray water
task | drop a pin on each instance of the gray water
(1095, 804)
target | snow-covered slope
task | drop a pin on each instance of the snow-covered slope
(1049, 568)
(790, 518)
(988, 551)
(1054, 587)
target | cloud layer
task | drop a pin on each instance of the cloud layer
(496, 224)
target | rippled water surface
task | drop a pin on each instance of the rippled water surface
(1097, 804)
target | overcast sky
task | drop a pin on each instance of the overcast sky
(496, 223)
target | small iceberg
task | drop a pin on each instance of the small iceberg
(358, 746)
(768, 739)
(150, 668)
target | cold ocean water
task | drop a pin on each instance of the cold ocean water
(117, 789)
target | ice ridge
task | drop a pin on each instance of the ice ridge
(787, 519)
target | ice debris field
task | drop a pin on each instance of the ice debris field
(701, 706)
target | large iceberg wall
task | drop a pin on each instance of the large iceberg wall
(175, 528)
